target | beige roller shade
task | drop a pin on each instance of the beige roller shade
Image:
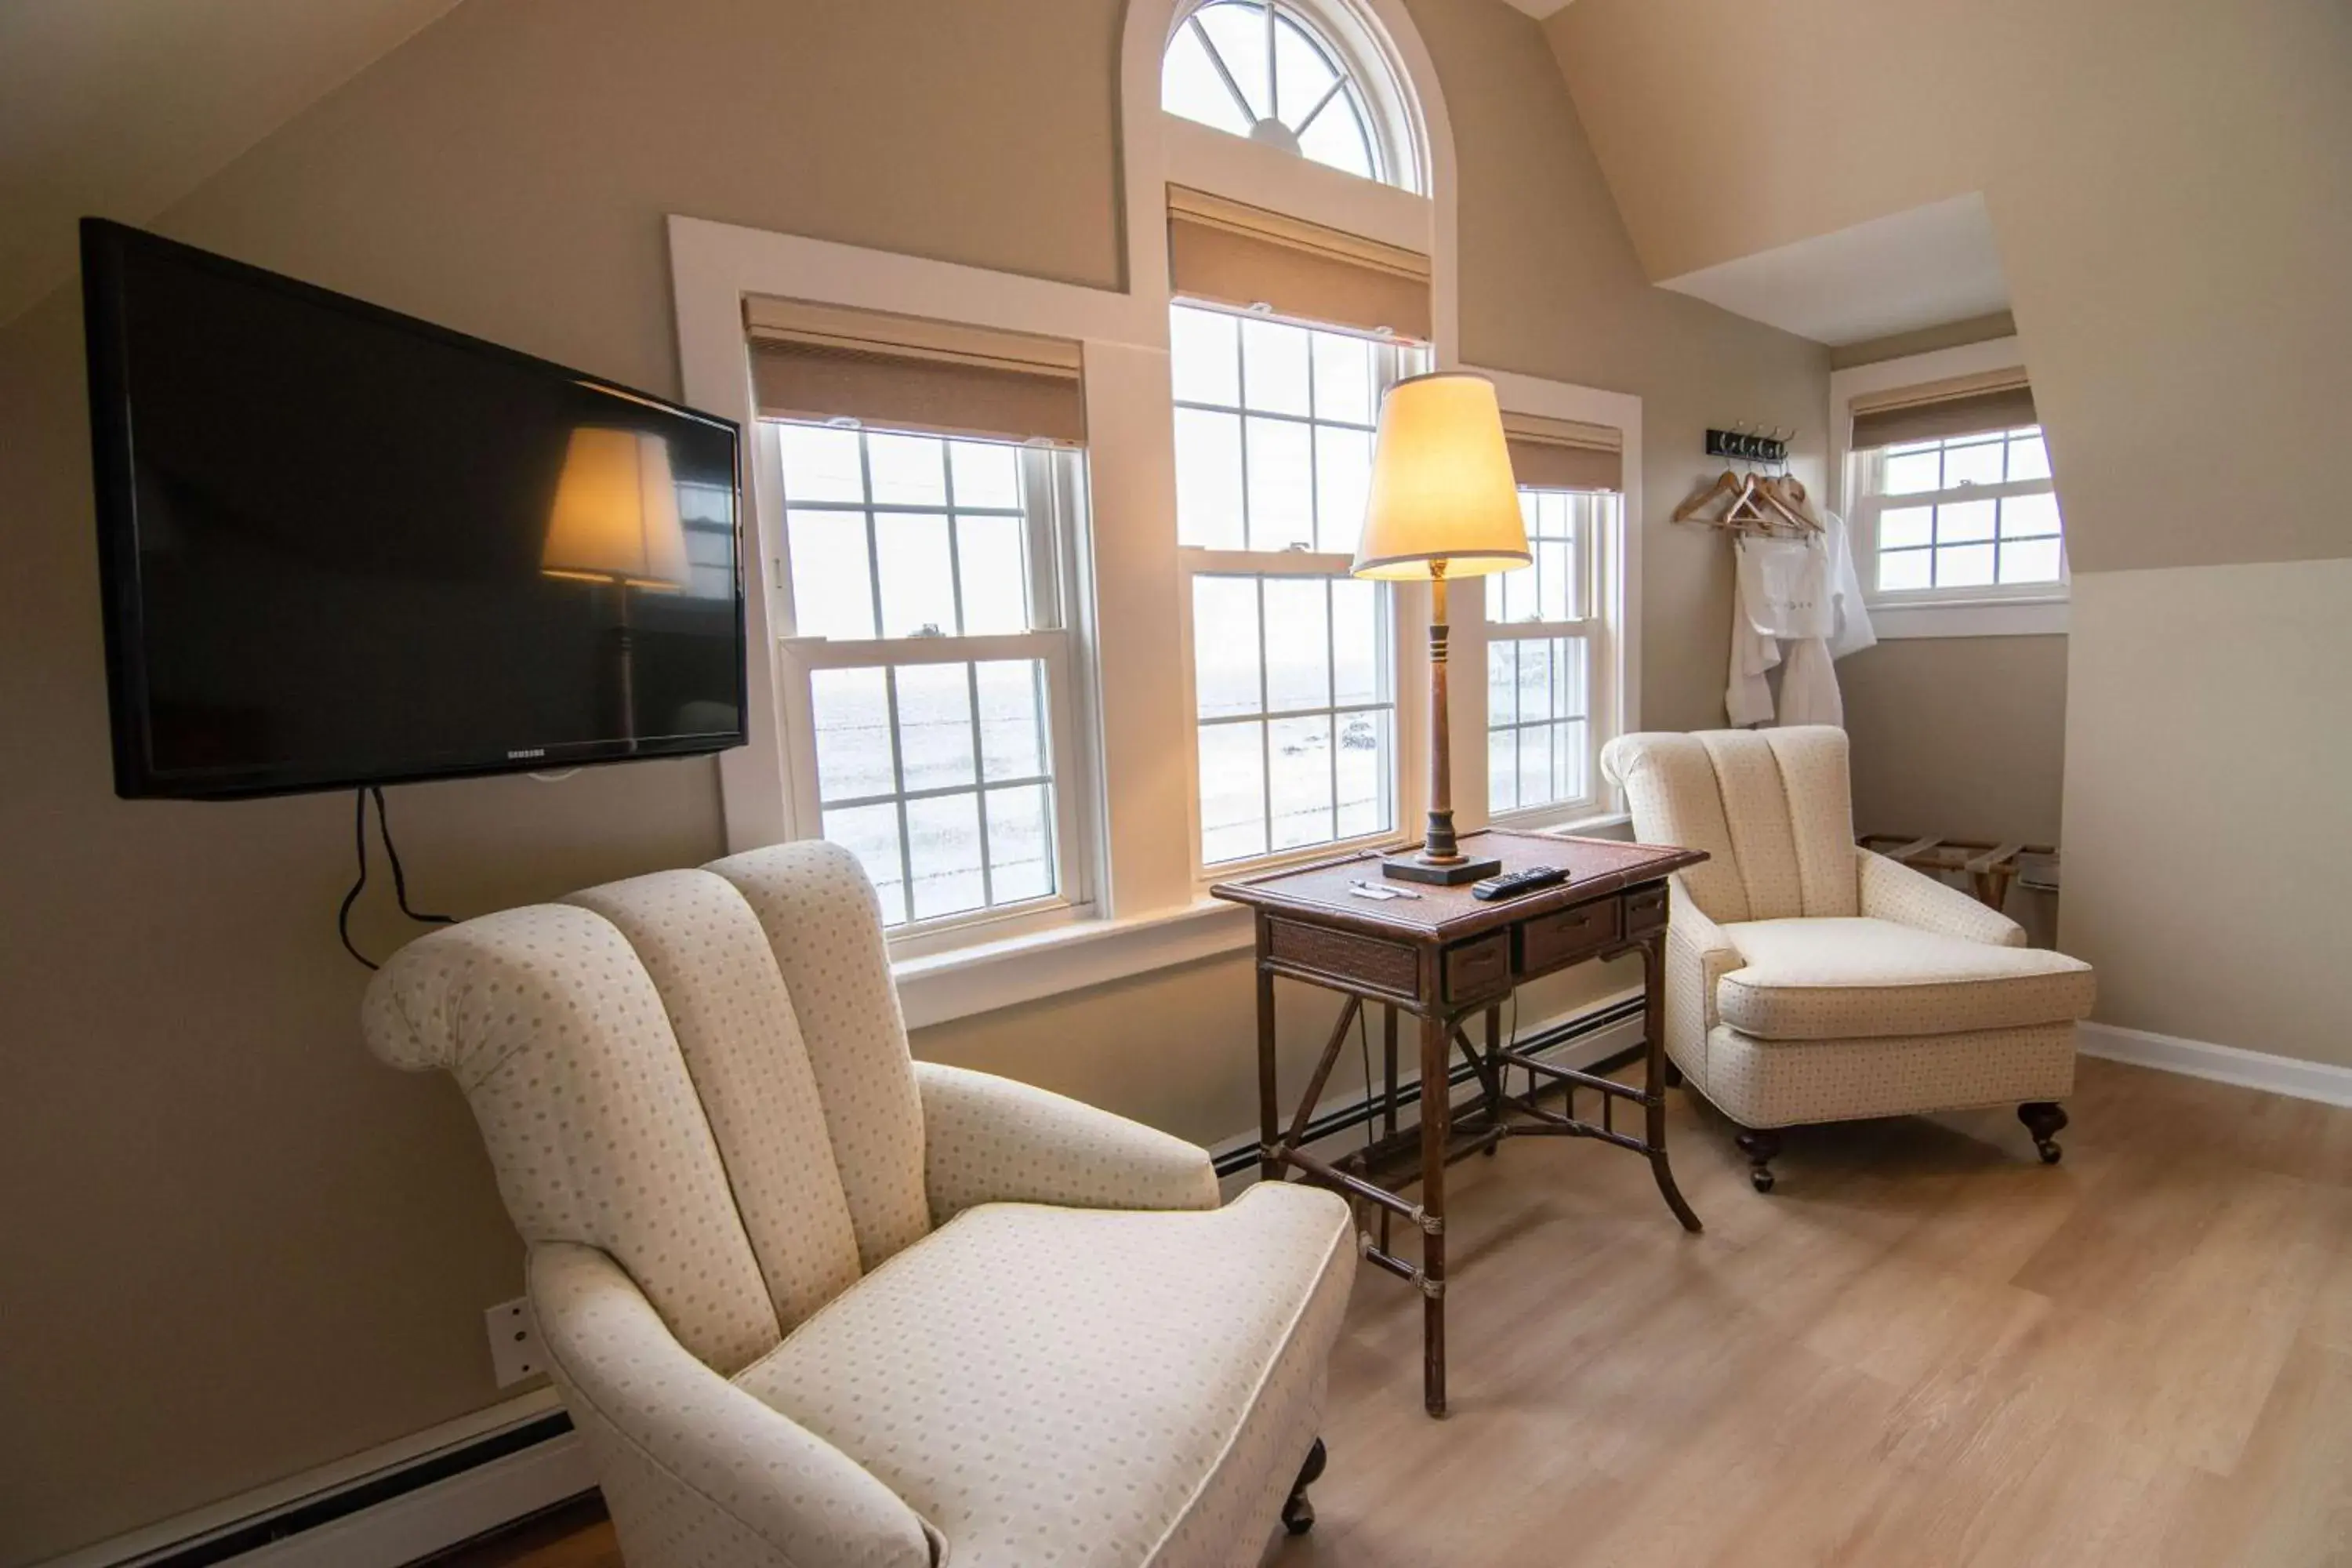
(1564, 454)
(1234, 254)
(822, 362)
(1966, 405)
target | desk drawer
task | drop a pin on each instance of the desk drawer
(1549, 941)
(1343, 955)
(1645, 909)
(1479, 968)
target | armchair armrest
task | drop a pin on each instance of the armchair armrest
(686, 1458)
(991, 1140)
(1697, 955)
(1893, 891)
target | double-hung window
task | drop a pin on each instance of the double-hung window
(933, 680)
(1962, 517)
(1543, 642)
(1293, 660)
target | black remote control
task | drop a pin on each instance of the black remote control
(1513, 883)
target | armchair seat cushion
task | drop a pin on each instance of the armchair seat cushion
(1082, 1388)
(1847, 978)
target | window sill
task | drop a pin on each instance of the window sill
(1893, 619)
(986, 976)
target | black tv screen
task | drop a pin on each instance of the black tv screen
(342, 546)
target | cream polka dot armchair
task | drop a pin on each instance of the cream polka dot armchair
(815, 1304)
(1808, 979)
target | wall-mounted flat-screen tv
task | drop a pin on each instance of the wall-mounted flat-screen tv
(342, 546)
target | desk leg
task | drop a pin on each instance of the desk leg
(1436, 1127)
(1387, 1069)
(1269, 1111)
(1653, 1081)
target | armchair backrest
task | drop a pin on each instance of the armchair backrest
(1773, 809)
(701, 1073)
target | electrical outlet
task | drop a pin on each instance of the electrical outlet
(515, 1352)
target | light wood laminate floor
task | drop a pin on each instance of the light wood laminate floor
(1925, 1349)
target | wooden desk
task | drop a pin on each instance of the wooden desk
(1443, 957)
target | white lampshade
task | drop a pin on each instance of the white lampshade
(1442, 485)
(615, 514)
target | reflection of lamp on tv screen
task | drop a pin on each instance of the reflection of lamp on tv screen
(615, 523)
(342, 546)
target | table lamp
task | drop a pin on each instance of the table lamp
(1443, 505)
(615, 520)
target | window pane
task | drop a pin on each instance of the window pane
(1555, 574)
(1535, 678)
(1363, 770)
(1237, 30)
(2029, 458)
(1903, 569)
(871, 833)
(2030, 561)
(1535, 766)
(1337, 137)
(1979, 463)
(1226, 669)
(1964, 521)
(1343, 378)
(1273, 367)
(1020, 843)
(1297, 643)
(1208, 480)
(2023, 517)
(820, 463)
(1300, 756)
(832, 585)
(1572, 759)
(1190, 86)
(1502, 770)
(989, 556)
(851, 713)
(1343, 481)
(1301, 74)
(1011, 718)
(908, 470)
(1204, 356)
(1912, 473)
(1572, 678)
(1964, 566)
(1519, 594)
(1503, 683)
(917, 577)
(1232, 790)
(1906, 527)
(986, 473)
(1281, 484)
(944, 846)
(935, 728)
(1360, 642)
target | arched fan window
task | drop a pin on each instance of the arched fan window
(1263, 69)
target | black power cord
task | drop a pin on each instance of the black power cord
(399, 877)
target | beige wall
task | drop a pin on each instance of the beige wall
(238, 1246)
(2208, 803)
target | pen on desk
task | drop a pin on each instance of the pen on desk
(1384, 888)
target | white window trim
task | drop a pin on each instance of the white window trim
(2038, 609)
(1612, 631)
(1147, 912)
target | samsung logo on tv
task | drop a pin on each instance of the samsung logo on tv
(525, 751)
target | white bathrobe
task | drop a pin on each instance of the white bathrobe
(1804, 591)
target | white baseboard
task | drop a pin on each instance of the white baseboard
(2323, 1081)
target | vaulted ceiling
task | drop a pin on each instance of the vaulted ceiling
(119, 108)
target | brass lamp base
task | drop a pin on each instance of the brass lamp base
(1445, 873)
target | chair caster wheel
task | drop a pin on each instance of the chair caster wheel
(2044, 1121)
(1761, 1145)
(1761, 1178)
(1298, 1513)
